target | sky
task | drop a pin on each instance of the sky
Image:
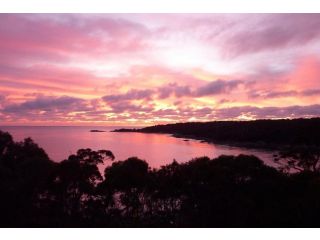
(146, 69)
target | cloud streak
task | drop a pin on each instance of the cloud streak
(217, 87)
(270, 32)
(173, 89)
(284, 94)
(69, 109)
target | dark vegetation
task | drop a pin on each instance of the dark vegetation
(258, 133)
(229, 191)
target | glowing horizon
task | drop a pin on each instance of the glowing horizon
(145, 69)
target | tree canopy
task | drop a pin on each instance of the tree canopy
(227, 191)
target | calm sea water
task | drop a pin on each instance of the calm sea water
(156, 149)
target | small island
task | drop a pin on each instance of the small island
(127, 130)
(94, 130)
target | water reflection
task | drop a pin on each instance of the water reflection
(157, 149)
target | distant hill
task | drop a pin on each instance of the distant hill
(254, 133)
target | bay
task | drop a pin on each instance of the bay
(157, 149)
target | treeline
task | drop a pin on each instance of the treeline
(229, 191)
(255, 133)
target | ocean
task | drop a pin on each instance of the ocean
(157, 149)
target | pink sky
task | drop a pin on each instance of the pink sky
(145, 69)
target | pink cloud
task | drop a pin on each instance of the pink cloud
(160, 67)
(307, 73)
(270, 32)
(36, 38)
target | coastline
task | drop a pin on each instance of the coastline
(247, 145)
(264, 134)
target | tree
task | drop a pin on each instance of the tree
(24, 168)
(126, 182)
(299, 158)
(76, 178)
(5, 141)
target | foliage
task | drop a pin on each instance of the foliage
(228, 191)
(257, 133)
(299, 158)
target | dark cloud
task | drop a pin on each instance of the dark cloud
(282, 94)
(147, 94)
(173, 89)
(48, 103)
(44, 108)
(211, 113)
(133, 94)
(268, 112)
(217, 87)
(311, 92)
(166, 113)
(274, 94)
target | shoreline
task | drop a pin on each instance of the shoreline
(247, 145)
(264, 134)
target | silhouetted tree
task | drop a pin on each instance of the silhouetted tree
(299, 158)
(257, 133)
(227, 191)
(125, 185)
(24, 168)
(75, 179)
